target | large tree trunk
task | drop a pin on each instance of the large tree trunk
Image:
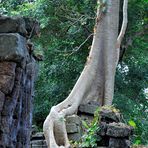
(96, 82)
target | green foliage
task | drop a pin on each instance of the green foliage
(132, 73)
(132, 123)
(90, 137)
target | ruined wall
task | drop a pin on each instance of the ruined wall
(17, 75)
(112, 133)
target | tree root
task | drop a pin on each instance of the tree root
(55, 128)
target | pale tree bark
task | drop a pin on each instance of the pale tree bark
(96, 82)
(123, 29)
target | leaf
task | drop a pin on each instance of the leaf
(137, 142)
(132, 123)
(85, 124)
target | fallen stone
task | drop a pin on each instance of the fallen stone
(118, 130)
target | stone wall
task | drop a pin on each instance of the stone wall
(112, 133)
(17, 76)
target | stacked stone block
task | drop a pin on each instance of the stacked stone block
(17, 76)
(113, 133)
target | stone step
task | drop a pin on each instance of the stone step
(38, 144)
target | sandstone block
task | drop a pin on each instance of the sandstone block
(7, 68)
(38, 136)
(108, 116)
(73, 124)
(118, 130)
(12, 47)
(89, 108)
(73, 119)
(75, 136)
(72, 128)
(14, 25)
(26, 27)
(38, 144)
(6, 83)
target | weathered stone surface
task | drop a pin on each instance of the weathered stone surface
(118, 130)
(38, 140)
(32, 26)
(7, 76)
(73, 124)
(73, 119)
(26, 27)
(75, 136)
(4, 140)
(9, 107)
(2, 99)
(13, 47)
(102, 129)
(6, 83)
(17, 75)
(38, 144)
(119, 143)
(86, 117)
(5, 124)
(103, 141)
(109, 116)
(89, 108)
(12, 25)
(72, 128)
(7, 68)
(38, 136)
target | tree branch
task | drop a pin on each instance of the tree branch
(124, 24)
(123, 28)
(79, 47)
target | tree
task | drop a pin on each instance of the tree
(96, 82)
